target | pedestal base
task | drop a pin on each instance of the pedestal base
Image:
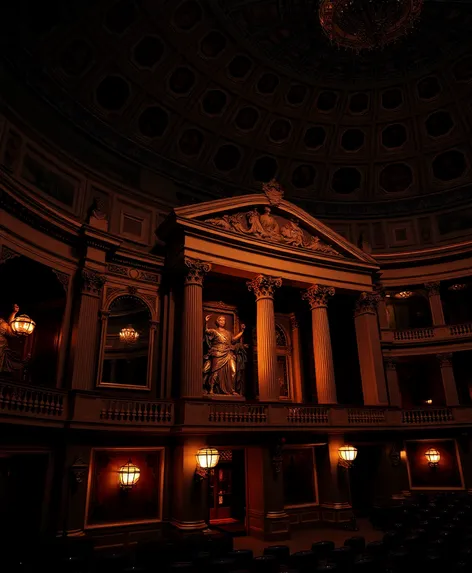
(273, 526)
(338, 515)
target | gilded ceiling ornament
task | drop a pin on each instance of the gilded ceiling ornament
(367, 303)
(267, 227)
(273, 191)
(264, 286)
(196, 271)
(317, 296)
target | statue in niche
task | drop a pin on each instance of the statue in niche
(225, 360)
(9, 361)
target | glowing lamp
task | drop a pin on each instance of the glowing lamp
(129, 335)
(433, 456)
(207, 458)
(404, 294)
(428, 401)
(128, 475)
(22, 325)
(347, 454)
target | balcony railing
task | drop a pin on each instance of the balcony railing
(428, 416)
(428, 334)
(31, 401)
(137, 412)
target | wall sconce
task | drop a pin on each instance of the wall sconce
(433, 456)
(207, 459)
(22, 325)
(128, 475)
(404, 294)
(347, 455)
(129, 335)
(428, 401)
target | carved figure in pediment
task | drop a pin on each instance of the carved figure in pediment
(292, 234)
(269, 224)
(255, 226)
(273, 191)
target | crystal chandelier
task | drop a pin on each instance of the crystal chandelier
(367, 24)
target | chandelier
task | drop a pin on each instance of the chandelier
(367, 24)
(129, 335)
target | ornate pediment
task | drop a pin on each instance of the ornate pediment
(263, 224)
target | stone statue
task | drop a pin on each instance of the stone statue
(8, 360)
(225, 360)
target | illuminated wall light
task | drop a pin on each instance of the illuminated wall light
(347, 455)
(207, 459)
(458, 286)
(404, 294)
(128, 475)
(429, 401)
(433, 456)
(129, 335)
(22, 325)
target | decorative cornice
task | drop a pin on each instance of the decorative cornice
(92, 282)
(132, 273)
(264, 286)
(196, 271)
(433, 288)
(317, 296)
(367, 303)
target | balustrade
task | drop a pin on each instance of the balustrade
(428, 416)
(28, 400)
(237, 414)
(365, 416)
(301, 415)
(442, 332)
(414, 334)
(127, 411)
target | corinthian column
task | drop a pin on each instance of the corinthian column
(192, 330)
(374, 388)
(264, 288)
(317, 297)
(435, 303)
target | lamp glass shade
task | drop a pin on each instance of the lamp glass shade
(129, 335)
(347, 453)
(22, 325)
(129, 475)
(432, 455)
(207, 458)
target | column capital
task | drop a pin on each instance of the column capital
(293, 322)
(196, 271)
(317, 296)
(366, 303)
(264, 286)
(445, 359)
(390, 364)
(92, 282)
(432, 288)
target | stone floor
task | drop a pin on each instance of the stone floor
(302, 539)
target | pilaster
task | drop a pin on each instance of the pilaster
(296, 360)
(435, 303)
(448, 380)
(392, 383)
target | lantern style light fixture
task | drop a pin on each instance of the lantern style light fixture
(128, 475)
(22, 325)
(129, 335)
(428, 401)
(347, 455)
(433, 456)
(207, 459)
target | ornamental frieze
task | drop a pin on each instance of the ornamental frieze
(271, 228)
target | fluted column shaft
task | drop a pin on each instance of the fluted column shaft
(264, 288)
(192, 329)
(392, 384)
(85, 337)
(369, 349)
(297, 361)
(435, 303)
(317, 297)
(448, 379)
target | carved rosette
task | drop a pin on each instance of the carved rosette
(317, 296)
(433, 288)
(445, 360)
(366, 303)
(264, 286)
(92, 282)
(196, 271)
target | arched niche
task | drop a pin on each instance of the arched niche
(126, 343)
(41, 293)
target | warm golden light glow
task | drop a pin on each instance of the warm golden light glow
(404, 294)
(458, 286)
(129, 475)
(22, 325)
(207, 458)
(433, 456)
(129, 335)
(347, 453)
(429, 401)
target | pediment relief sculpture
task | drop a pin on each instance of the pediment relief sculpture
(269, 227)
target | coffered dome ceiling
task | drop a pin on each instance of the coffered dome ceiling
(223, 94)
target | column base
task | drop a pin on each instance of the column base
(189, 527)
(273, 526)
(338, 515)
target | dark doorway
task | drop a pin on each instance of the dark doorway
(227, 491)
(363, 479)
(22, 490)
